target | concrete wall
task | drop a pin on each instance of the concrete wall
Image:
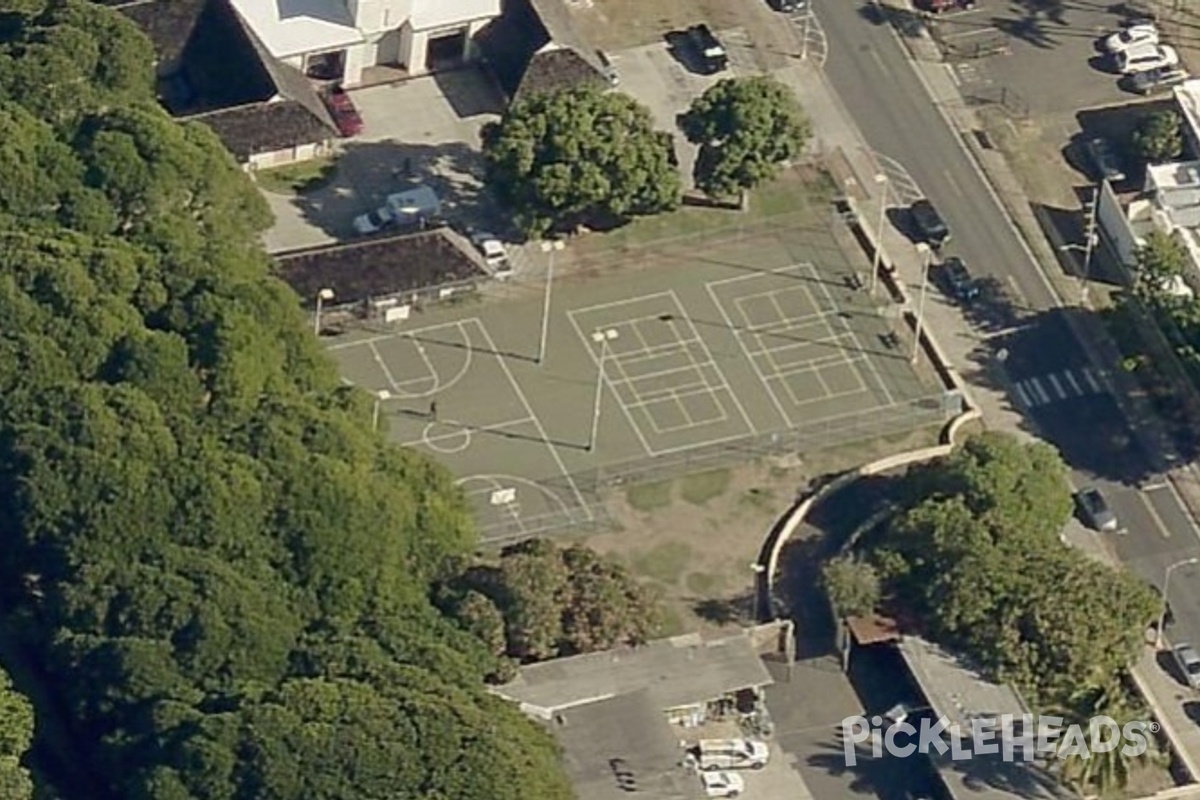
(1115, 225)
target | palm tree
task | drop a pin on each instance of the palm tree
(1101, 773)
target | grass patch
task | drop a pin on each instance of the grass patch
(701, 487)
(649, 496)
(670, 622)
(791, 194)
(663, 563)
(757, 499)
(299, 178)
(704, 584)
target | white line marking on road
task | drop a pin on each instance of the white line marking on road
(1074, 383)
(1036, 386)
(1021, 395)
(1158, 521)
(1091, 380)
(1058, 390)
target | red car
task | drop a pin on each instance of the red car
(345, 115)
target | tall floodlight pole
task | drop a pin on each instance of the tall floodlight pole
(322, 296)
(602, 338)
(882, 180)
(1089, 245)
(380, 397)
(553, 246)
(926, 263)
(1162, 617)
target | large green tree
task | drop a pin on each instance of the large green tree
(553, 601)
(579, 156)
(747, 128)
(16, 732)
(978, 557)
(213, 572)
(1159, 137)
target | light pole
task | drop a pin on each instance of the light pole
(322, 296)
(553, 246)
(1162, 617)
(381, 396)
(602, 338)
(1089, 246)
(926, 263)
(882, 180)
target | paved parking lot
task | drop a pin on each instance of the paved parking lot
(425, 130)
(808, 711)
(1050, 66)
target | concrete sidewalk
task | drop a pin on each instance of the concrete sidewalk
(836, 134)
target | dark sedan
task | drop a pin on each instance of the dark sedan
(957, 281)
(1105, 161)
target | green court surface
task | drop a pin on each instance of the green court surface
(763, 343)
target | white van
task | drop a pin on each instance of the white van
(405, 207)
(713, 754)
(1143, 58)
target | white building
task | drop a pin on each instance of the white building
(1187, 97)
(340, 39)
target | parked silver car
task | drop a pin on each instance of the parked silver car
(1189, 664)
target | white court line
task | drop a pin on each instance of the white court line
(716, 299)
(642, 376)
(387, 373)
(562, 468)
(614, 304)
(385, 337)
(874, 369)
(590, 346)
(654, 395)
(698, 366)
(460, 429)
(653, 351)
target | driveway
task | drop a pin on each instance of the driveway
(808, 711)
(653, 76)
(424, 130)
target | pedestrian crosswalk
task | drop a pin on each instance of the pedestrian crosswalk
(1055, 387)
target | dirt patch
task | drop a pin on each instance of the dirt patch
(696, 538)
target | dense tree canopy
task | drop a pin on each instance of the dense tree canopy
(1158, 137)
(214, 567)
(746, 129)
(580, 156)
(978, 558)
(16, 732)
(542, 601)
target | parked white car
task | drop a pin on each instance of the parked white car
(1133, 36)
(1144, 58)
(722, 784)
(493, 252)
(403, 207)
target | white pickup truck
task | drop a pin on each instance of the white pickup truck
(713, 754)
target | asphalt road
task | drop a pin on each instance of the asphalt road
(869, 68)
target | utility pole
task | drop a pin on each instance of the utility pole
(882, 180)
(553, 246)
(926, 263)
(1093, 237)
(601, 337)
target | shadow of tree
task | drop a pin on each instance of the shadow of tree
(738, 609)
(367, 172)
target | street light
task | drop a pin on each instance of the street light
(1090, 245)
(882, 180)
(322, 296)
(1162, 617)
(553, 246)
(926, 263)
(602, 338)
(381, 396)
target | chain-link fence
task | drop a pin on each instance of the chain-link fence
(587, 514)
